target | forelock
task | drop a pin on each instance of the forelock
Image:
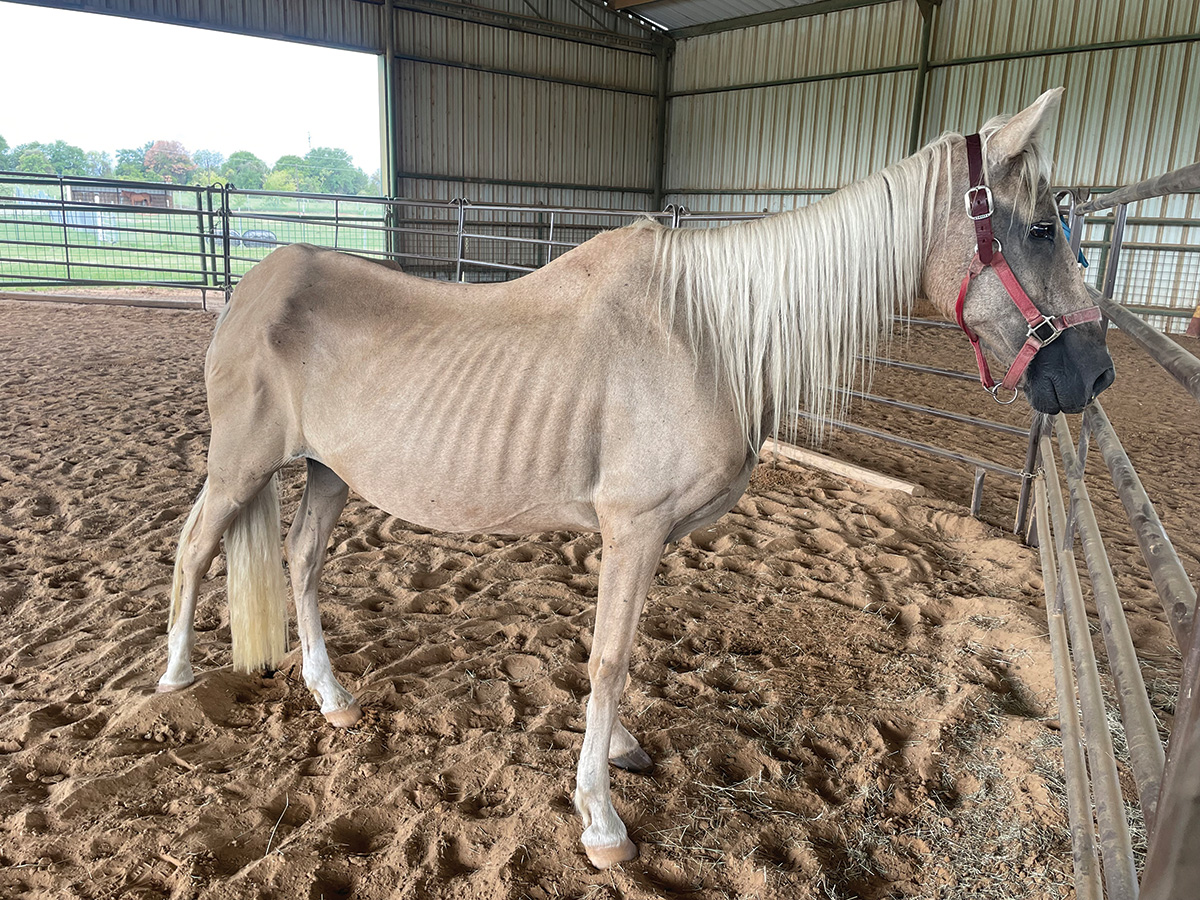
(1033, 169)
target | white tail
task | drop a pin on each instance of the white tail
(255, 583)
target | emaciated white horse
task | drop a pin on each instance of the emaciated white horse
(626, 388)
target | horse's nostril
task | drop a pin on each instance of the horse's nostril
(1104, 381)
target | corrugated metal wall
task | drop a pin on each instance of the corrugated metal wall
(739, 140)
(849, 41)
(491, 107)
(470, 43)
(1131, 110)
(509, 116)
(811, 136)
(480, 125)
(973, 28)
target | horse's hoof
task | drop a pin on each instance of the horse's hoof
(636, 760)
(606, 857)
(167, 687)
(344, 718)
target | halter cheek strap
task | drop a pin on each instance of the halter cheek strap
(1042, 329)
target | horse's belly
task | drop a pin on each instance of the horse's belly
(467, 516)
(451, 489)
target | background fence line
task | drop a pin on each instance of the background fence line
(57, 231)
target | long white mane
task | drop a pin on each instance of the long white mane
(787, 305)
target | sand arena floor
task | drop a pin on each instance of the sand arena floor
(847, 691)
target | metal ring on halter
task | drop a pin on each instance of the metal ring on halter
(997, 247)
(995, 387)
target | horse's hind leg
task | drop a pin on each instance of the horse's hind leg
(324, 496)
(199, 542)
(629, 560)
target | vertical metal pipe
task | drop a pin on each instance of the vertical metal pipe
(1075, 222)
(210, 230)
(664, 56)
(1114, 252)
(462, 240)
(62, 207)
(225, 241)
(1035, 432)
(541, 250)
(203, 247)
(977, 491)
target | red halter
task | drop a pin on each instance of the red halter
(1042, 329)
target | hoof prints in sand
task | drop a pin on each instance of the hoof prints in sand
(841, 688)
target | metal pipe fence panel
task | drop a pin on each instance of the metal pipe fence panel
(1159, 269)
(56, 231)
(1167, 780)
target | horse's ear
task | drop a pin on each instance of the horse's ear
(1024, 129)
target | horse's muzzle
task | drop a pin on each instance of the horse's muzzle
(1067, 375)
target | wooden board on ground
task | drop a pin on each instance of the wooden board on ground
(838, 467)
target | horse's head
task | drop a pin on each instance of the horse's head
(1007, 197)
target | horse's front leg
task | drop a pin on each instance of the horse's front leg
(628, 562)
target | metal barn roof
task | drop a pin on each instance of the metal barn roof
(687, 18)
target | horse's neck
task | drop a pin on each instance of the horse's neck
(788, 304)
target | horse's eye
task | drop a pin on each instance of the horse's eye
(1042, 231)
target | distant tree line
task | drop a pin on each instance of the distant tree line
(322, 170)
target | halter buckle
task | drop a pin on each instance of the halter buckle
(1042, 327)
(972, 195)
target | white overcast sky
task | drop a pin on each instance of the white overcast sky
(104, 83)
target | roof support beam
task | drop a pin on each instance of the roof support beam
(918, 108)
(513, 22)
(665, 59)
(816, 8)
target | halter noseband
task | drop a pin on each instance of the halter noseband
(1042, 329)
